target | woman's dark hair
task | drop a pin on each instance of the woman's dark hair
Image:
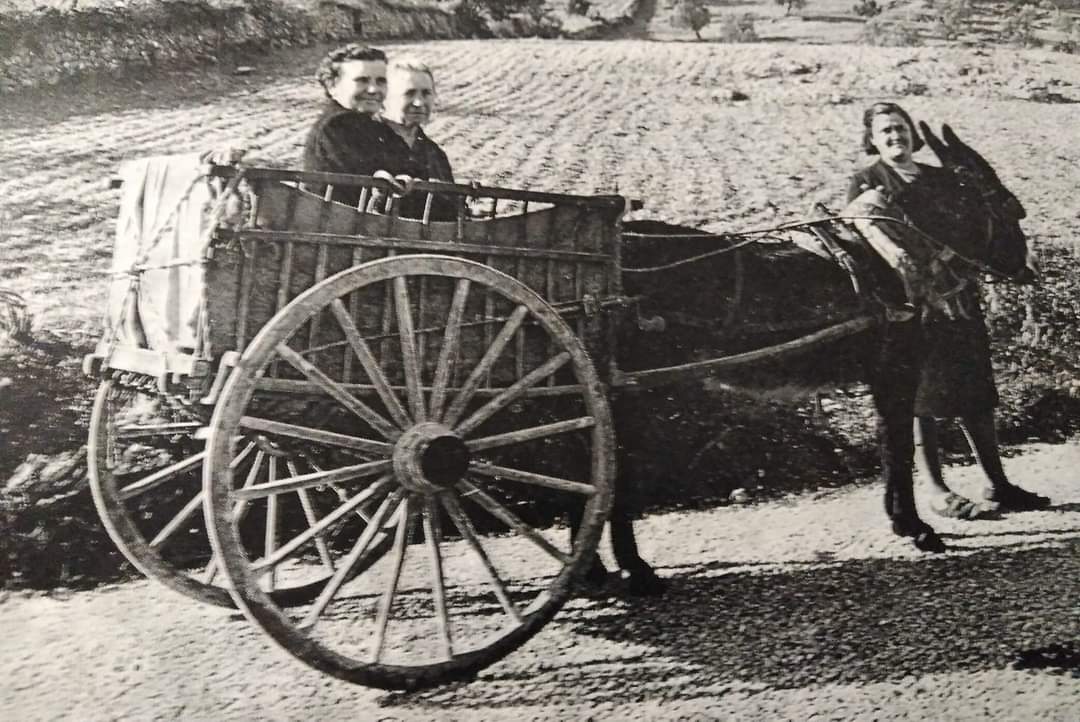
(328, 70)
(885, 109)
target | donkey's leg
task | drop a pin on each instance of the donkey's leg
(893, 382)
(597, 572)
(643, 580)
(982, 436)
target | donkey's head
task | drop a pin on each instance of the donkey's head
(985, 204)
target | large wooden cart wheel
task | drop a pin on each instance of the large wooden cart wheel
(459, 401)
(145, 464)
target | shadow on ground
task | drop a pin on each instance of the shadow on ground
(793, 626)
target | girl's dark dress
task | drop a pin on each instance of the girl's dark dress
(956, 376)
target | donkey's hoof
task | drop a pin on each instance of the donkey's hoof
(929, 541)
(922, 535)
(597, 575)
(644, 583)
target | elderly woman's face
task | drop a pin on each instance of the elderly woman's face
(410, 98)
(892, 137)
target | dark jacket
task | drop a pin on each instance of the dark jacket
(425, 160)
(957, 378)
(344, 141)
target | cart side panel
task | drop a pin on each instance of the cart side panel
(299, 238)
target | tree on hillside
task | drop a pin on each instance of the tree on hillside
(790, 5)
(693, 14)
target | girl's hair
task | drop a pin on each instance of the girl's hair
(885, 109)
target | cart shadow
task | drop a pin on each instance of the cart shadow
(722, 627)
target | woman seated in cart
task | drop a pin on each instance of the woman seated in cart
(956, 377)
(350, 135)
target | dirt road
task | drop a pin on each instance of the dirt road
(801, 609)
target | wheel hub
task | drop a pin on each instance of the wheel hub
(429, 457)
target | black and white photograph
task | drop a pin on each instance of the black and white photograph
(480, 360)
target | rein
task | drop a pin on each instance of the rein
(745, 238)
(942, 252)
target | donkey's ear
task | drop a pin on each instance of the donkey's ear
(951, 138)
(933, 141)
(962, 150)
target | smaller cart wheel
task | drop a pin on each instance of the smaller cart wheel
(461, 403)
(145, 465)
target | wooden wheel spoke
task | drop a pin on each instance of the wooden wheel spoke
(270, 532)
(512, 393)
(249, 447)
(472, 383)
(210, 572)
(500, 512)
(161, 476)
(177, 521)
(319, 436)
(344, 569)
(528, 477)
(320, 527)
(371, 365)
(386, 602)
(240, 510)
(432, 533)
(140, 431)
(315, 478)
(468, 533)
(339, 394)
(312, 520)
(451, 348)
(530, 434)
(315, 435)
(409, 358)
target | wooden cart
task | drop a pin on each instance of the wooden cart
(379, 417)
(365, 407)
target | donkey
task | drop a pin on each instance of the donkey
(691, 302)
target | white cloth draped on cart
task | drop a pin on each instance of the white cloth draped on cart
(158, 281)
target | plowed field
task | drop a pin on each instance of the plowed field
(654, 120)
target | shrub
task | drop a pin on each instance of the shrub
(738, 29)
(526, 26)
(952, 17)
(1020, 25)
(1070, 28)
(470, 20)
(507, 18)
(693, 14)
(790, 5)
(866, 8)
(890, 33)
(579, 7)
